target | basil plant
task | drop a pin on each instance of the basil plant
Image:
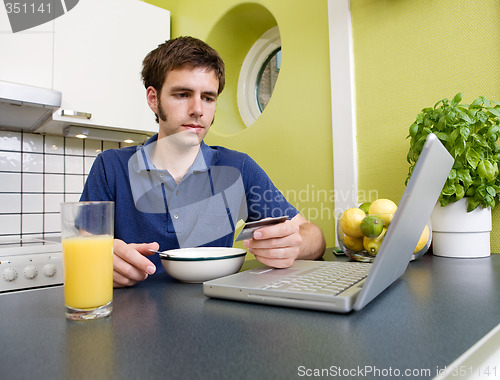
(470, 133)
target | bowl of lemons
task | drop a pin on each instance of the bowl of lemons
(361, 230)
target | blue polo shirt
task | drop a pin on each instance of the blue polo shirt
(221, 187)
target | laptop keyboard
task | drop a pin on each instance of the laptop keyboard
(330, 278)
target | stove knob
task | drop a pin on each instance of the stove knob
(49, 270)
(30, 272)
(9, 274)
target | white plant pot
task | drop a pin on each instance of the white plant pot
(458, 233)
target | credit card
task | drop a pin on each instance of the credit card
(250, 227)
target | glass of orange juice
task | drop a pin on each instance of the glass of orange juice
(87, 243)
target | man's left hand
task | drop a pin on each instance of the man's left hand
(277, 246)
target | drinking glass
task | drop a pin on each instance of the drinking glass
(87, 244)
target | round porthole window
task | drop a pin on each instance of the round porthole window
(258, 76)
(267, 78)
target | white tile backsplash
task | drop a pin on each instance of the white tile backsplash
(53, 202)
(32, 182)
(54, 163)
(74, 146)
(71, 197)
(33, 143)
(88, 162)
(54, 183)
(10, 203)
(10, 161)
(74, 183)
(93, 147)
(32, 162)
(38, 173)
(110, 145)
(10, 224)
(10, 182)
(54, 144)
(73, 165)
(52, 223)
(32, 223)
(10, 141)
(32, 203)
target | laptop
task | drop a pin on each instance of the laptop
(361, 282)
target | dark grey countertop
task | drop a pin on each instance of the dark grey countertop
(163, 329)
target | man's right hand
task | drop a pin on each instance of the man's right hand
(130, 264)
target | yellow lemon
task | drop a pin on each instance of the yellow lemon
(372, 245)
(354, 244)
(350, 221)
(424, 238)
(384, 209)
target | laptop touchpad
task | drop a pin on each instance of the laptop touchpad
(281, 272)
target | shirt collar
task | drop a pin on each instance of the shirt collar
(206, 158)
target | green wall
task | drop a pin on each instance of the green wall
(408, 55)
(292, 139)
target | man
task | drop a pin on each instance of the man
(175, 191)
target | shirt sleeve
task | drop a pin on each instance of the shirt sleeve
(97, 187)
(264, 200)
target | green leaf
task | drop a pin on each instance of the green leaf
(459, 146)
(486, 102)
(491, 190)
(464, 176)
(493, 203)
(493, 131)
(493, 111)
(476, 103)
(443, 136)
(457, 98)
(414, 129)
(472, 157)
(443, 102)
(409, 156)
(448, 189)
(464, 132)
(452, 175)
(487, 201)
(466, 118)
(481, 191)
(441, 123)
(459, 191)
(444, 201)
(472, 204)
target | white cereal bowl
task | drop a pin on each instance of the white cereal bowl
(199, 264)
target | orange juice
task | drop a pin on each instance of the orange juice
(88, 271)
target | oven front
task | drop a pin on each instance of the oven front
(30, 264)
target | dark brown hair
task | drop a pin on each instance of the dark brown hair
(178, 53)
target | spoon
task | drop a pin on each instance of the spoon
(162, 253)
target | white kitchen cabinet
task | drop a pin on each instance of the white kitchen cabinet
(98, 50)
(27, 56)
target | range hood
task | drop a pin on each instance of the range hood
(25, 107)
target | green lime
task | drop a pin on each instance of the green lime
(365, 206)
(372, 226)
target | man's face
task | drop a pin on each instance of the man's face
(186, 104)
